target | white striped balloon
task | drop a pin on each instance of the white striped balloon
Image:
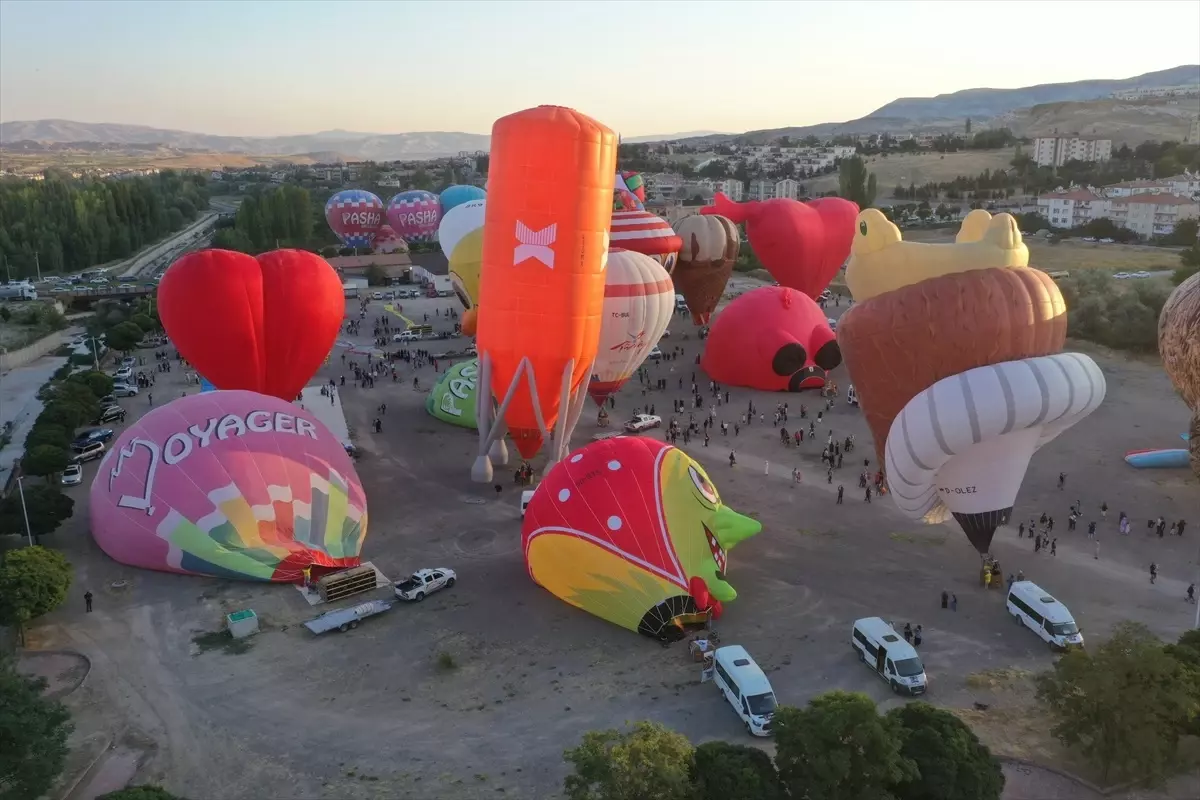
(639, 299)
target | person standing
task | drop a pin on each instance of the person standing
(1153, 572)
(1054, 547)
(87, 601)
(841, 490)
(954, 602)
(1062, 481)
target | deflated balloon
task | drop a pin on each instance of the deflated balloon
(229, 484)
(264, 324)
(1179, 346)
(706, 259)
(453, 396)
(633, 531)
(639, 300)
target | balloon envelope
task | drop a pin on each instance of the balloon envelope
(772, 338)
(706, 259)
(355, 216)
(262, 324)
(232, 484)
(452, 398)
(458, 222)
(633, 531)
(415, 215)
(456, 195)
(639, 300)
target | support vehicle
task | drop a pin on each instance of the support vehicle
(745, 687)
(894, 660)
(425, 582)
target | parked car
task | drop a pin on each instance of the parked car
(642, 422)
(832, 323)
(128, 362)
(123, 374)
(94, 435)
(89, 453)
(124, 390)
(655, 353)
(72, 475)
(425, 582)
(108, 400)
(111, 414)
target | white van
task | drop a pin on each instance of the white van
(1033, 606)
(680, 303)
(746, 688)
(526, 498)
(852, 396)
(894, 660)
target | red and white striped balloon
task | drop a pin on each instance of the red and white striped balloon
(647, 234)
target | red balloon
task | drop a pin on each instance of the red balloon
(802, 245)
(262, 324)
(773, 338)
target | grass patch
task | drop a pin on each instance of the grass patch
(220, 640)
(814, 532)
(446, 662)
(1001, 678)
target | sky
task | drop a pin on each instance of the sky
(282, 67)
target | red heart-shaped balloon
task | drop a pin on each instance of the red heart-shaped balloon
(262, 324)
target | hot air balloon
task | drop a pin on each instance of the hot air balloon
(388, 241)
(647, 234)
(635, 183)
(933, 329)
(706, 258)
(961, 447)
(453, 396)
(802, 245)
(541, 286)
(633, 531)
(639, 300)
(263, 324)
(456, 195)
(355, 216)
(230, 484)
(624, 197)
(772, 338)
(1179, 346)
(461, 236)
(415, 215)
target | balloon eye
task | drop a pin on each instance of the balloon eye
(862, 228)
(706, 489)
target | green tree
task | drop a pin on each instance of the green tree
(376, 275)
(79, 395)
(952, 763)
(65, 415)
(45, 460)
(47, 435)
(143, 321)
(46, 506)
(1123, 703)
(649, 761)
(1189, 260)
(1187, 652)
(124, 337)
(33, 736)
(140, 793)
(724, 771)
(98, 383)
(855, 183)
(1032, 222)
(33, 581)
(839, 748)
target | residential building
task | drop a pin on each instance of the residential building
(1131, 188)
(761, 190)
(1185, 185)
(732, 188)
(1054, 151)
(788, 188)
(1070, 209)
(1189, 90)
(1150, 215)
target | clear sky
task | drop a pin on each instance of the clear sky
(299, 66)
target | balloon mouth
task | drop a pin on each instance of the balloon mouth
(469, 321)
(807, 378)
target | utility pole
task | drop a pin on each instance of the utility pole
(7, 270)
(95, 356)
(24, 510)
(37, 263)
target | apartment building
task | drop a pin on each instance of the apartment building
(788, 188)
(1070, 209)
(1186, 184)
(761, 190)
(1152, 214)
(732, 188)
(1054, 151)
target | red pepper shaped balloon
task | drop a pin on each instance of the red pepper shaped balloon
(261, 324)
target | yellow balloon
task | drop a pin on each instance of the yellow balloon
(464, 267)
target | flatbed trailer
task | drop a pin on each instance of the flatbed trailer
(344, 619)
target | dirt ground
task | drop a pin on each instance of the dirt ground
(921, 168)
(379, 713)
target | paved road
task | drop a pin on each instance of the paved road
(149, 258)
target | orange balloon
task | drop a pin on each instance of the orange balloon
(545, 241)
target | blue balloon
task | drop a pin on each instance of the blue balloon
(458, 194)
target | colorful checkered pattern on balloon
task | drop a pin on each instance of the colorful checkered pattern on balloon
(356, 199)
(416, 200)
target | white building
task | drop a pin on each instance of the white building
(1153, 214)
(1054, 151)
(1185, 185)
(761, 190)
(1073, 208)
(732, 188)
(788, 188)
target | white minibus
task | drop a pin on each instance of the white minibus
(1032, 606)
(745, 687)
(894, 660)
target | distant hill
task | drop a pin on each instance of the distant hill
(993, 102)
(671, 137)
(352, 145)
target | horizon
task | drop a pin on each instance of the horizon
(191, 67)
